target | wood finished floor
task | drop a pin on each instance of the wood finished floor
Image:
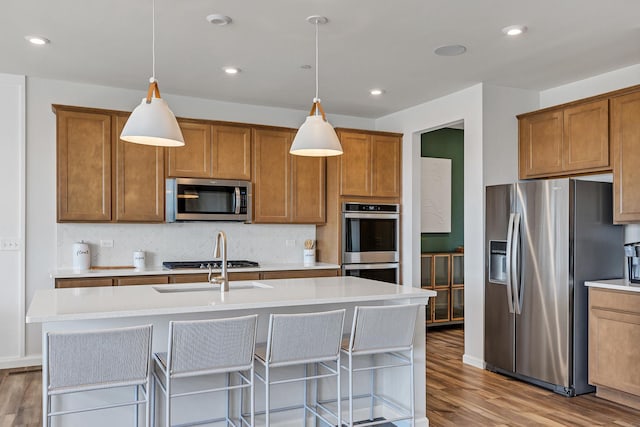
(457, 395)
(461, 395)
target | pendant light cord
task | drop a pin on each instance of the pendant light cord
(153, 41)
(316, 98)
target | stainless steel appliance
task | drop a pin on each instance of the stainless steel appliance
(632, 252)
(543, 240)
(173, 265)
(371, 241)
(191, 199)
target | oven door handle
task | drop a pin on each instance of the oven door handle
(369, 266)
(371, 215)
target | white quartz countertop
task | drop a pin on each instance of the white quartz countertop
(615, 285)
(159, 270)
(50, 305)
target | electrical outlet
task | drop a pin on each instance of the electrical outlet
(290, 243)
(106, 243)
(7, 244)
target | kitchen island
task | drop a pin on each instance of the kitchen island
(106, 307)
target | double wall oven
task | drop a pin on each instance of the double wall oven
(371, 241)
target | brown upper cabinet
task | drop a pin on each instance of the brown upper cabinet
(138, 180)
(286, 188)
(567, 140)
(101, 178)
(211, 151)
(370, 165)
(84, 146)
(625, 141)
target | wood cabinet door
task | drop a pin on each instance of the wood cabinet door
(586, 137)
(355, 164)
(308, 182)
(271, 176)
(625, 142)
(139, 180)
(540, 144)
(385, 166)
(231, 152)
(193, 160)
(83, 166)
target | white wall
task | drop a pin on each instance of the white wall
(44, 244)
(607, 82)
(500, 105)
(12, 219)
(465, 105)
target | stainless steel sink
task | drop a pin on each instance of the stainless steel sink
(207, 287)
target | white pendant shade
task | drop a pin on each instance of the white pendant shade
(153, 123)
(317, 138)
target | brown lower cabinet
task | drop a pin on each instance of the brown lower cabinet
(614, 345)
(190, 278)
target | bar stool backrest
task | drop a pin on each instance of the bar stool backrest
(209, 346)
(89, 360)
(305, 337)
(383, 328)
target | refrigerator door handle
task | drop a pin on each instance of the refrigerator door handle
(508, 262)
(515, 273)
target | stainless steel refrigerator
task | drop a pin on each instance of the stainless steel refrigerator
(543, 239)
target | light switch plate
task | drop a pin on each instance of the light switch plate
(106, 243)
(8, 244)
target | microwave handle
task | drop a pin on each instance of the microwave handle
(237, 201)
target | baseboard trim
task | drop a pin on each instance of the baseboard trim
(20, 362)
(473, 361)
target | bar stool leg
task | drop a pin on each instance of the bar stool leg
(339, 390)
(266, 395)
(350, 390)
(413, 414)
(135, 407)
(252, 397)
(372, 386)
(167, 405)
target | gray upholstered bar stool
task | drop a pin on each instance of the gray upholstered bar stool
(94, 360)
(208, 347)
(301, 339)
(384, 336)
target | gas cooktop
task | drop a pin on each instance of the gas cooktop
(173, 265)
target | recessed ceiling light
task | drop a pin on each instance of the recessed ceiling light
(37, 40)
(376, 92)
(514, 30)
(231, 70)
(217, 19)
(450, 50)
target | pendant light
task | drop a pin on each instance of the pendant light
(152, 122)
(316, 137)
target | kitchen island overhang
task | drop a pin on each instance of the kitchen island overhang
(108, 307)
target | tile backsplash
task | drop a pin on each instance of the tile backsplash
(264, 243)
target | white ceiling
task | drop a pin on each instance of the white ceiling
(366, 44)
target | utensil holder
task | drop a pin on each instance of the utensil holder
(309, 257)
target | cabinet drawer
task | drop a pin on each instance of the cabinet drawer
(614, 301)
(296, 274)
(141, 280)
(188, 278)
(244, 275)
(84, 283)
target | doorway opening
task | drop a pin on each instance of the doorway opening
(442, 224)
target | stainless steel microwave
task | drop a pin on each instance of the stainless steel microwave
(193, 199)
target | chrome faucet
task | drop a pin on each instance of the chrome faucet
(223, 278)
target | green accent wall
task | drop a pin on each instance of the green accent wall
(447, 144)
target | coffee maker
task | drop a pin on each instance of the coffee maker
(632, 252)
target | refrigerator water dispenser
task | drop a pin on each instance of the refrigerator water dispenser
(498, 261)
